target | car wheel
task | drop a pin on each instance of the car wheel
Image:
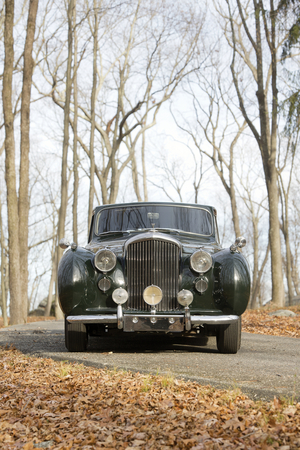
(229, 337)
(76, 337)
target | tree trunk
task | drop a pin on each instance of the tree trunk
(24, 152)
(57, 308)
(75, 153)
(135, 178)
(255, 282)
(267, 138)
(285, 229)
(52, 281)
(144, 168)
(289, 268)
(16, 307)
(3, 289)
(93, 103)
(268, 147)
(278, 297)
(64, 166)
(234, 209)
(295, 276)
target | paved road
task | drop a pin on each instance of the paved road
(265, 366)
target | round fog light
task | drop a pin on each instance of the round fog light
(201, 285)
(184, 297)
(152, 295)
(120, 296)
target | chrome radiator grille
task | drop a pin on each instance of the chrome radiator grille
(153, 262)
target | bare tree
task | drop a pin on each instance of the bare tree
(247, 29)
(3, 300)
(75, 127)
(250, 189)
(24, 150)
(294, 220)
(18, 207)
(150, 49)
(94, 31)
(217, 123)
(64, 166)
(284, 189)
(16, 301)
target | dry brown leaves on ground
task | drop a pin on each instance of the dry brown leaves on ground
(58, 405)
(258, 321)
(31, 319)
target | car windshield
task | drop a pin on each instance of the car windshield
(188, 219)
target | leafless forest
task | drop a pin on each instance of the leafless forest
(106, 101)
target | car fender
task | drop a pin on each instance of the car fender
(74, 273)
(233, 281)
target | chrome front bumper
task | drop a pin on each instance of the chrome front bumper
(155, 322)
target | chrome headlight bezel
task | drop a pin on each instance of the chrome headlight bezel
(105, 260)
(201, 261)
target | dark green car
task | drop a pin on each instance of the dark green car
(153, 268)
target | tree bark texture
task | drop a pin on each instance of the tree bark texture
(64, 164)
(16, 296)
(93, 117)
(267, 137)
(24, 201)
(145, 188)
(52, 281)
(3, 288)
(64, 181)
(75, 125)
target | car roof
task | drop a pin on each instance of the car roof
(188, 205)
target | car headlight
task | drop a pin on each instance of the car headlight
(201, 261)
(105, 260)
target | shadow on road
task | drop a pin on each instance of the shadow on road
(150, 343)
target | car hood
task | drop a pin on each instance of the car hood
(189, 243)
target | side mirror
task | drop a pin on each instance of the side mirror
(64, 243)
(240, 242)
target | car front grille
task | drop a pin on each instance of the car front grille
(153, 262)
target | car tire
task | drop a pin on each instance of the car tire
(76, 337)
(229, 337)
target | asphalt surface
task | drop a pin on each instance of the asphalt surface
(264, 367)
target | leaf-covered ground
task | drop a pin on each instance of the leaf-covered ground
(46, 404)
(57, 405)
(260, 322)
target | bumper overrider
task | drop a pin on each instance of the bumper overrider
(168, 322)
